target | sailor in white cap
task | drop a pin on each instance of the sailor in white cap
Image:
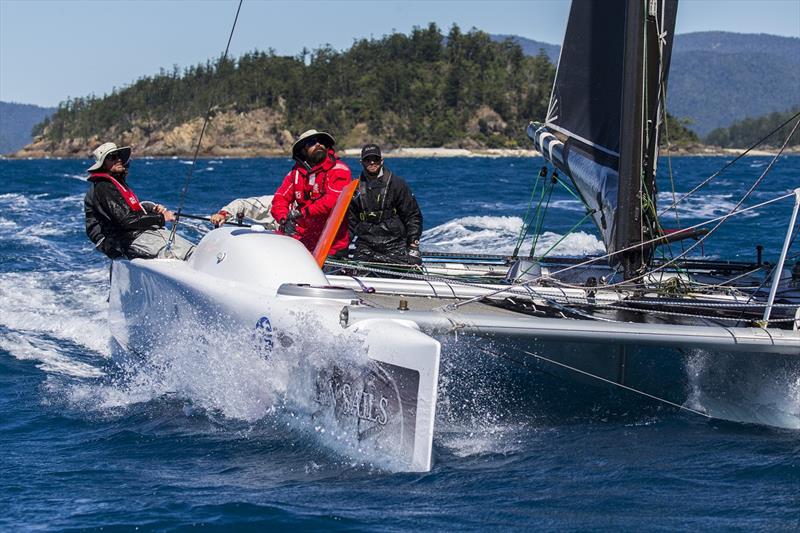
(116, 221)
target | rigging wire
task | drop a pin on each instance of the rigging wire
(732, 211)
(772, 273)
(730, 163)
(662, 88)
(719, 220)
(537, 232)
(188, 179)
(610, 254)
(600, 378)
(526, 225)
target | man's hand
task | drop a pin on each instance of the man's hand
(159, 209)
(219, 219)
(414, 257)
(289, 226)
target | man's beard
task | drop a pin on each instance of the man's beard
(316, 157)
(120, 175)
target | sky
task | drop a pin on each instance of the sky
(54, 49)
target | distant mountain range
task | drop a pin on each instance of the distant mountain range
(16, 123)
(531, 47)
(718, 78)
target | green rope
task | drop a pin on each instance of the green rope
(569, 190)
(539, 217)
(573, 228)
(523, 231)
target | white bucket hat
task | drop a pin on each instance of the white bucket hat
(101, 152)
(325, 138)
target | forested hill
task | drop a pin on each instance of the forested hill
(718, 78)
(421, 89)
(427, 88)
(745, 132)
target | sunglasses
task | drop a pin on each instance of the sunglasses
(313, 141)
(113, 157)
(371, 160)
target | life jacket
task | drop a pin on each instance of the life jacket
(310, 184)
(314, 192)
(374, 210)
(127, 194)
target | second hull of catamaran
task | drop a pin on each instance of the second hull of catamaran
(741, 374)
(368, 390)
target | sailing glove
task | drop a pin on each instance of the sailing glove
(290, 224)
(414, 257)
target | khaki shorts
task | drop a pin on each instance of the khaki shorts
(153, 244)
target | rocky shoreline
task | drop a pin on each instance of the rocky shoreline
(256, 133)
(419, 152)
(260, 133)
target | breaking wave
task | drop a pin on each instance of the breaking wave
(50, 314)
(700, 207)
(498, 235)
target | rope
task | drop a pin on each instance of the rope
(730, 163)
(540, 218)
(610, 254)
(523, 230)
(730, 214)
(734, 211)
(188, 179)
(573, 228)
(566, 187)
(670, 172)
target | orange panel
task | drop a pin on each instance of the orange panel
(332, 224)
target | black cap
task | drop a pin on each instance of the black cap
(370, 150)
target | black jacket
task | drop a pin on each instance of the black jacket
(384, 217)
(110, 223)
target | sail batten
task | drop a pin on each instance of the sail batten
(602, 122)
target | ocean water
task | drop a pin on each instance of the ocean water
(83, 446)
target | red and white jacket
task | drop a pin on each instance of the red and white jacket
(314, 193)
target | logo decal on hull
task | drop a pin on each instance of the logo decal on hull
(262, 337)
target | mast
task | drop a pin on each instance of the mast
(631, 171)
(645, 67)
(605, 109)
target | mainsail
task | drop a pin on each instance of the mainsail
(604, 115)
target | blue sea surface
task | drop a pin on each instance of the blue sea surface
(82, 447)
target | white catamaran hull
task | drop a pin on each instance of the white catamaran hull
(375, 383)
(749, 375)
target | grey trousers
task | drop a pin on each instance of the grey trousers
(153, 244)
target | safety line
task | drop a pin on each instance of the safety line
(588, 374)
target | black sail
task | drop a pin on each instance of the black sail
(605, 110)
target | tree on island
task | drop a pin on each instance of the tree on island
(421, 89)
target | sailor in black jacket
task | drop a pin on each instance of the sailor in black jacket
(116, 222)
(384, 216)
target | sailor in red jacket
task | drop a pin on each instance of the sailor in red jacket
(309, 191)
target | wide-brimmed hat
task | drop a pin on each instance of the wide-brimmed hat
(101, 152)
(325, 138)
